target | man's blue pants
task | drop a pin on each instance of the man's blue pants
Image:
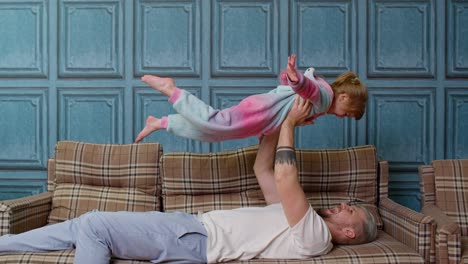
(153, 236)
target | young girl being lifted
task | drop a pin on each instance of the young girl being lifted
(259, 114)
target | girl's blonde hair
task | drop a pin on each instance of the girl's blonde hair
(350, 84)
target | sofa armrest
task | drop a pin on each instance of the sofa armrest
(23, 214)
(448, 236)
(409, 227)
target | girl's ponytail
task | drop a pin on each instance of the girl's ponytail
(347, 77)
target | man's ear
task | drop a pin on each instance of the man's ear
(349, 232)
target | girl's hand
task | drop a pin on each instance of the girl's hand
(291, 69)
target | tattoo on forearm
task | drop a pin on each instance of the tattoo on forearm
(285, 148)
(285, 155)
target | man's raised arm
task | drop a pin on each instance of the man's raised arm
(263, 167)
(291, 195)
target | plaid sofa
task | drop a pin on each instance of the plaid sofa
(444, 190)
(139, 177)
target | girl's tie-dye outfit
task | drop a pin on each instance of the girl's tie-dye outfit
(256, 115)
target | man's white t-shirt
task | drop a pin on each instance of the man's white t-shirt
(264, 232)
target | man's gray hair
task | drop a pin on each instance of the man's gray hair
(369, 228)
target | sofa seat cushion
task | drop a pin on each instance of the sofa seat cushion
(106, 177)
(383, 250)
(53, 257)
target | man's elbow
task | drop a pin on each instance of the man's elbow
(256, 168)
(262, 169)
(263, 173)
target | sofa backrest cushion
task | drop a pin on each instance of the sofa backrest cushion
(105, 177)
(193, 182)
(451, 187)
(332, 176)
(202, 182)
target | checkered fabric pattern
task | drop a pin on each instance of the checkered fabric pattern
(203, 182)
(447, 238)
(352, 178)
(444, 189)
(54, 257)
(193, 182)
(413, 229)
(427, 185)
(383, 180)
(451, 185)
(51, 175)
(464, 249)
(105, 177)
(383, 251)
(20, 215)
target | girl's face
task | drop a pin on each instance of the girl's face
(340, 106)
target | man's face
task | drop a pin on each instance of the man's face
(343, 214)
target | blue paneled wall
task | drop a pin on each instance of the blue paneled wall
(70, 70)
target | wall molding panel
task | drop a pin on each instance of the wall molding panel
(84, 110)
(323, 35)
(147, 103)
(24, 51)
(457, 37)
(247, 46)
(173, 49)
(334, 133)
(406, 193)
(21, 189)
(457, 127)
(391, 54)
(401, 126)
(24, 139)
(91, 39)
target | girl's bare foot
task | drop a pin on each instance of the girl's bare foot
(152, 124)
(165, 85)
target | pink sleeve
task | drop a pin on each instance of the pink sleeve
(306, 88)
(164, 122)
(175, 95)
(283, 78)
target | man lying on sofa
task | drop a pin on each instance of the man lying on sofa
(288, 228)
